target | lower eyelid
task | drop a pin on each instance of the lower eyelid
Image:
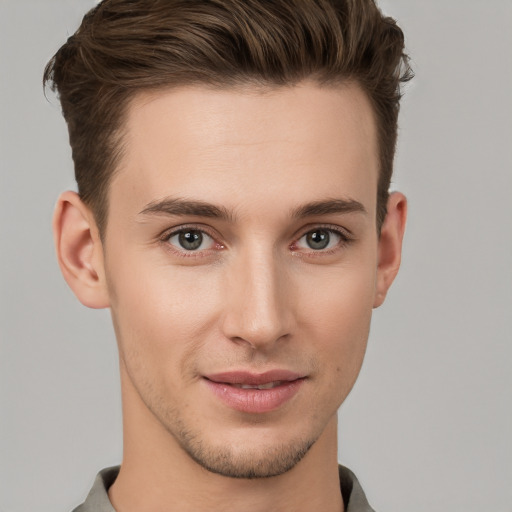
(211, 242)
(343, 238)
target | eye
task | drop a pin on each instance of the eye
(319, 239)
(191, 240)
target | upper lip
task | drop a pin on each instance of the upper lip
(254, 379)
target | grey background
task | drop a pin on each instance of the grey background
(428, 425)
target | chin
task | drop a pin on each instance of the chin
(248, 462)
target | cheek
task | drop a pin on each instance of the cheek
(337, 315)
(339, 299)
(161, 313)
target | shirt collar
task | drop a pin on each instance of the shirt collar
(97, 499)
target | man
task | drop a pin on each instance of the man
(233, 161)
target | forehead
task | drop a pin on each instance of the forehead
(234, 146)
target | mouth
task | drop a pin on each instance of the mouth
(269, 385)
(255, 393)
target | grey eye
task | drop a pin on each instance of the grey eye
(191, 240)
(319, 239)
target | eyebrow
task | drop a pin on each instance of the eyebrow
(329, 206)
(197, 208)
(180, 207)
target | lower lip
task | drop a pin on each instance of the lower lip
(255, 400)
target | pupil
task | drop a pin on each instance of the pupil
(318, 239)
(191, 240)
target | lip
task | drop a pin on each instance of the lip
(255, 401)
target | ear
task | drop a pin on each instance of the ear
(390, 245)
(80, 251)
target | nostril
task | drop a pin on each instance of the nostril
(243, 341)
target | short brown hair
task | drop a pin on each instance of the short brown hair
(123, 47)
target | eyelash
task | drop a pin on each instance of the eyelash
(345, 239)
(167, 235)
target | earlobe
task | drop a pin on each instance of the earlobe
(79, 250)
(390, 245)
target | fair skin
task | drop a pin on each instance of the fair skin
(241, 250)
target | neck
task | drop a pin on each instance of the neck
(158, 476)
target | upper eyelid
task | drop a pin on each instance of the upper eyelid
(344, 239)
(169, 232)
(164, 240)
(342, 231)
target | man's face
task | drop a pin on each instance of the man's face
(241, 256)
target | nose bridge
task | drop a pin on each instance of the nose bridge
(257, 310)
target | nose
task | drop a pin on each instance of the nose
(258, 305)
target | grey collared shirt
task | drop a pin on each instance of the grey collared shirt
(97, 500)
